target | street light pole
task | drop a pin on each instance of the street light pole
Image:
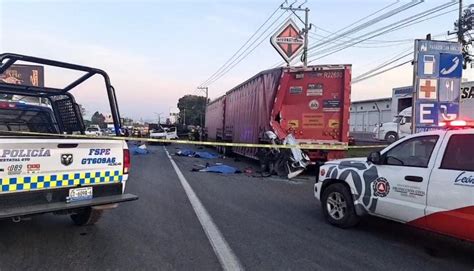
(206, 91)
(158, 117)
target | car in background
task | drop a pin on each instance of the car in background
(168, 133)
(136, 133)
(93, 131)
(110, 132)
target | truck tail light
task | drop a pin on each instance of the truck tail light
(126, 161)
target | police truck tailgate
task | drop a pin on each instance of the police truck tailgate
(49, 175)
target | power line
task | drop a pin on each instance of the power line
(371, 22)
(370, 45)
(387, 59)
(240, 49)
(248, 52)
(358, 80)
(368, 41)
(384, 65)
(386, 29)
(368, 23)
(373, 72)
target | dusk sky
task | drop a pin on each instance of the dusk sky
(158, 51)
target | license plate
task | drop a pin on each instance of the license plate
(82, 193)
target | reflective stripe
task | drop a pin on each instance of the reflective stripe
(28, 183)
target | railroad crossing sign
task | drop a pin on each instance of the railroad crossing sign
(288, 41)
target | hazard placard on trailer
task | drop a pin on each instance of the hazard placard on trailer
(288, 40)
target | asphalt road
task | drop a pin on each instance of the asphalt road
(268, 224)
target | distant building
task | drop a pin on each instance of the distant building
(109, 120)
(364, 115)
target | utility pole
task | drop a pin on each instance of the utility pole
(307, 27)
(184, 117)
(462, 26)
(305, 31)
(206, 91)
(460, 31)
(158, 117)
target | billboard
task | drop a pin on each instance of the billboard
(28, 75)
(437, 81)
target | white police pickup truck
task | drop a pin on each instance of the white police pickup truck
(42, 170)
(425, 180)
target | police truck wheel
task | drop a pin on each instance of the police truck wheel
(87, 216)
(391, 137)
(338, 206)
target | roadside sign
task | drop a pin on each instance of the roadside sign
(448, 111)
(450, 65)
(427, 89)
(287, 41)
(20, 74)
(448, 89)
(427, 114)
(427, 65)
(437, 80)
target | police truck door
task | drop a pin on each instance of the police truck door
(403, 178)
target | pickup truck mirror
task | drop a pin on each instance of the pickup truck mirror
(402, 121)
(375, 158)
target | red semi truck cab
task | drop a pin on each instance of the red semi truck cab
(311, 103)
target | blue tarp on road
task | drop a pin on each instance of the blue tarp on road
(205, 154)
(185, 152)
(221, 169)
(138, 151)
(198, 154)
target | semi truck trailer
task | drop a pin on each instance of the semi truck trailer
(311, 104)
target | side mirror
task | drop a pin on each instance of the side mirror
(402, 121)
(375, 158)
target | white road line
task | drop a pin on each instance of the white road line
(222, 250)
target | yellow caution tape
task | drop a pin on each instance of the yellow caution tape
(368, 147)
(306, 146)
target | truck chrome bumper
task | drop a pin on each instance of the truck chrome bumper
(61, 206)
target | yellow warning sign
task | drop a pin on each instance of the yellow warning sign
(293, 123)
(333, 123)
(313, 121)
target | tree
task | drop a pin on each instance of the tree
(192, 109)
(98, 119)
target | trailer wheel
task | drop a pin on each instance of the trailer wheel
(86, 216)
(391, 137)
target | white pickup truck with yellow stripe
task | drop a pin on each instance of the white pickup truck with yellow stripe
(39, 173)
